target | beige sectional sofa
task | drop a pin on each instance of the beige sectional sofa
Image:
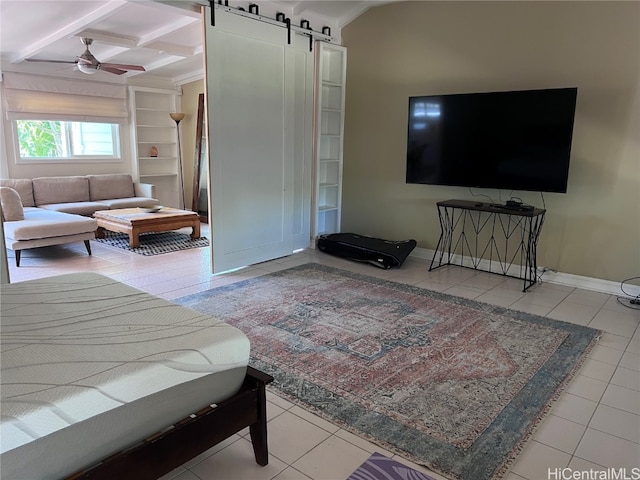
(54, 210)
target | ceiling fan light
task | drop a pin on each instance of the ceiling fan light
(89, 69)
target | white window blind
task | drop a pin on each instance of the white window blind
(30, 97)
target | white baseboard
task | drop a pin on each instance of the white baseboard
(567, 279)
(590, 283)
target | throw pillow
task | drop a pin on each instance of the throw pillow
(11, 204)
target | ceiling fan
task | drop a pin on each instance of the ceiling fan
(89, 64)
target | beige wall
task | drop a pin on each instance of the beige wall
(189, 101)
(421, 48)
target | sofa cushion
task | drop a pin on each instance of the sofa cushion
(102, 187)
(48, 190)
(24, 188)
(11, 205)
(40, 223)
(79, 208)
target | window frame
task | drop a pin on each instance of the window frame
(116, 137)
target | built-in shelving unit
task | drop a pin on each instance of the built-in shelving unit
(152, 127)
(330, 90)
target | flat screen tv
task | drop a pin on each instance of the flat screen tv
(517, 140)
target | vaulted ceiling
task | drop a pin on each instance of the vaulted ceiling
(165, 37)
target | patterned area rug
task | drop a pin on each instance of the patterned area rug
(379, 467)
(154, 243)
(447, 382)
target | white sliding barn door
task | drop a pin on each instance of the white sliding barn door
(250, 82)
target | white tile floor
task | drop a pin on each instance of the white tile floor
(594, 425)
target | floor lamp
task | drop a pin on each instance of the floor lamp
(178, 117)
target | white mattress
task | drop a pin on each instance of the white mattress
(90, 366)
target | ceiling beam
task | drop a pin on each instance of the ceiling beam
(167, 30)
(172, 49)
(160, 63)
(108, 54)
(109, 38)
(187, 7)
(103, 11)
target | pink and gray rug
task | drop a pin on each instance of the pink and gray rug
(450, 383)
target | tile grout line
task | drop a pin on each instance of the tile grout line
(599, 402)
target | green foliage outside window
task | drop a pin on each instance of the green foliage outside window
(67, 141)
(40, 138)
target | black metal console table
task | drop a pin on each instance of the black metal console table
(474, 234)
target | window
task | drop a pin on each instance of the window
(42, 140)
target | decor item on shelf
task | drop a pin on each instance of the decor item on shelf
(154, 151)
(178, 117)
(446, 382)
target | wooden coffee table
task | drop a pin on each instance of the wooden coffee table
(134, 221)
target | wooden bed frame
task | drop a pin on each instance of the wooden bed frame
(162, 452)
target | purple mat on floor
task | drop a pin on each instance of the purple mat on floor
(379, 467)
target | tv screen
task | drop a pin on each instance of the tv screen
(518, 140)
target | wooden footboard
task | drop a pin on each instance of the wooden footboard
(164, 451)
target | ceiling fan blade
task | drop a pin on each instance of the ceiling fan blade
(49, 61)
(117, 71)
(123, 66)
(87, 63)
